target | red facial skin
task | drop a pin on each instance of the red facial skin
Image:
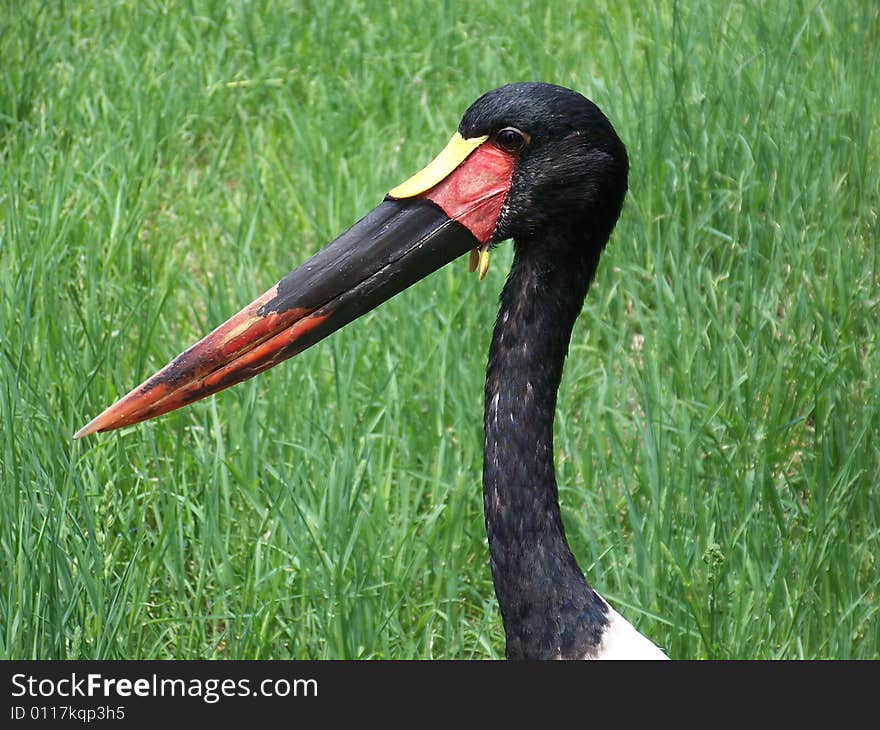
(475, 191)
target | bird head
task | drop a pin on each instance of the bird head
(571, 169)
(534, 162)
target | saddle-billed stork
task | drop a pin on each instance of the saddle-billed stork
(533, 162)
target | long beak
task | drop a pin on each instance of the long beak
(447, 209)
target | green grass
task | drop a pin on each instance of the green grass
(718, 446)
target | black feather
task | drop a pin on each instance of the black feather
(565, 198)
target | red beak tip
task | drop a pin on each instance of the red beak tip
(87, 430)
(84, 431)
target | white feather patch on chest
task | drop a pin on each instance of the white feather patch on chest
(621, 640)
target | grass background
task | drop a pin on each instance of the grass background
(717, 450)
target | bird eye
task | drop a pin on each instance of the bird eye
(511, 140)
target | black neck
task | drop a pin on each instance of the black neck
(549, 610)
